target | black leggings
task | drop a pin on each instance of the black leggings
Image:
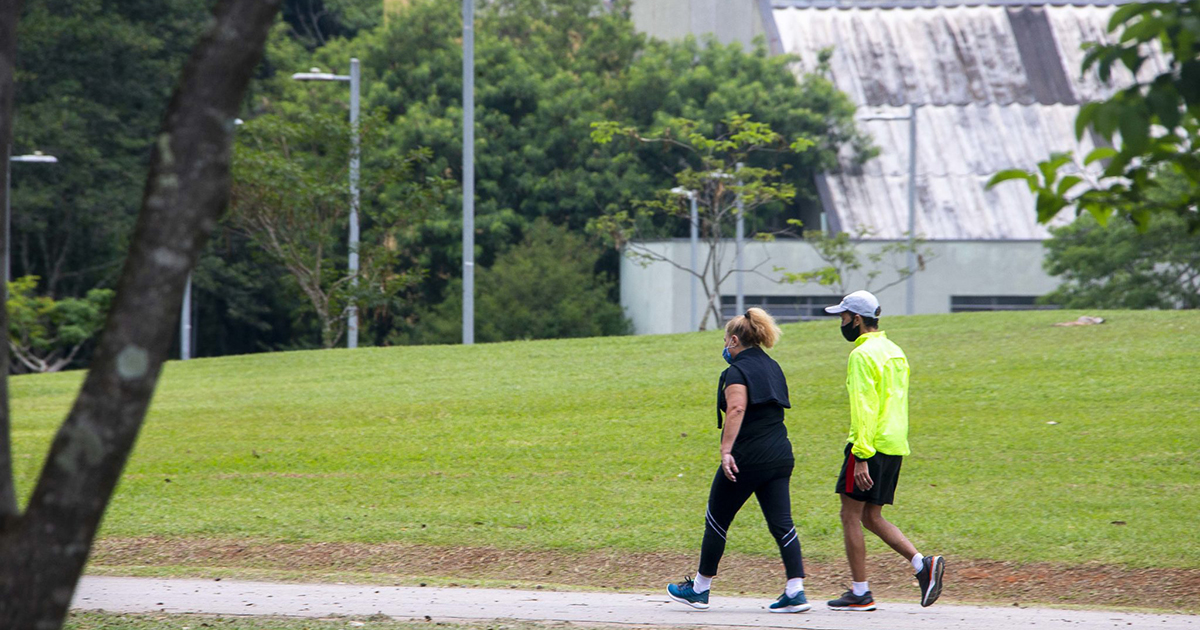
(770, 485)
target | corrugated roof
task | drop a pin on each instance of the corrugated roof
(893, 57)
(1072, 26)
(958, 150)
(998, 86)
(954, 55)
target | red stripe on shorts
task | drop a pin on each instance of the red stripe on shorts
(850, 473)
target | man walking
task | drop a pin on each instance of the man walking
(877, 380)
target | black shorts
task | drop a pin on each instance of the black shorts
(885, 472)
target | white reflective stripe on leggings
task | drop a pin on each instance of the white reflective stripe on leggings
(712, 522)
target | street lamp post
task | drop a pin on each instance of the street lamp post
(910, 290)
(37, 157)
(468, 166)
(695, 242)
(741, 246)
(355, 81)
(186, 323)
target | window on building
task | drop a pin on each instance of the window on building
(784, 308)
(975, 303)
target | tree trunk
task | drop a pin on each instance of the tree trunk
(43, 552)
(9, 12)
(327, 340)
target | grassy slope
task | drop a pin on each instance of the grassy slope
(579, 444)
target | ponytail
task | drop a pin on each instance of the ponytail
(755, 328)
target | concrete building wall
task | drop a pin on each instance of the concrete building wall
(729, 20)
(657, 299)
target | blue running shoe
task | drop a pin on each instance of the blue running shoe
(685, 593)
(785, 604)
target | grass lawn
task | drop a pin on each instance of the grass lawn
(599, 444)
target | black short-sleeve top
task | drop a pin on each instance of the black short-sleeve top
(762, 440)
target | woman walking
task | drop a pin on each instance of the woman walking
(756, 458)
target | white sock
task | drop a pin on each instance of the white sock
(701, 583)
(794, 585)
(859, 588)
(917, 562)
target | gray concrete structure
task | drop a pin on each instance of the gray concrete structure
(728, 20)
(996, 84)
(960, 276)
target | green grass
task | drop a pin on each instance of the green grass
(579, 444)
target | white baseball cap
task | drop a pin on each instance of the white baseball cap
(860, 303)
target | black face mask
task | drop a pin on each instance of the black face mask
(850, 331)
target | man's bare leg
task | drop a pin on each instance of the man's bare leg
(872, 519)
(856, 547)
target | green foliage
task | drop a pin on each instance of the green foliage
(578, 444)
(313, 23)
(45, 334)
(547, 70)
(1153, 126)
(846, 257)
(544, 288)
(94, 76)
(92, 82)
(716, 170)
(291, 198)
(1123, 267)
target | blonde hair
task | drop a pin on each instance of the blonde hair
(755, 328)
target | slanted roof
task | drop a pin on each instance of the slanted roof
(998, 87)
(959, 147)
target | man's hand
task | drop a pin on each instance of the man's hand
(862, 477)
(728, 466)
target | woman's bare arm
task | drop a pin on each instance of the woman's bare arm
(735, 411)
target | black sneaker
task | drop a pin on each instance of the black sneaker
(850, 601)
(930, 579)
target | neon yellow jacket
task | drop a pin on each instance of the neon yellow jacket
(877, 379)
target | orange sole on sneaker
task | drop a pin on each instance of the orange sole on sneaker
(935, 583)
(859, 607)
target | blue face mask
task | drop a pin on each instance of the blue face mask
(728, 357)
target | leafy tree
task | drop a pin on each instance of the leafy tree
(712, 169)
(95, 74)
(291, 197)
(844, 256)
(707, 82)
(1122, 266)
(547, 70)
(44, 547)
(1152, 127)
(45, 334)
(93, 79)
(314, 22)
(544, 288)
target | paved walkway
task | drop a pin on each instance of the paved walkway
(121, 594)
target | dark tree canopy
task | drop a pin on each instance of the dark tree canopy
(44, 548)
(94, 75)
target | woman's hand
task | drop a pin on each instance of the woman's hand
(728, 466)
